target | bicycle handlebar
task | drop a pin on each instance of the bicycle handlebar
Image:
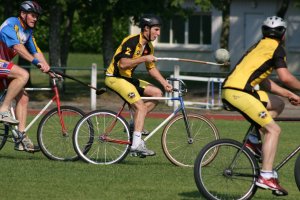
(182, 86)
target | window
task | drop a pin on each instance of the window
(195, 29)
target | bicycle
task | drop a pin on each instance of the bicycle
(109, 140)
(233, 165)
(54, 129)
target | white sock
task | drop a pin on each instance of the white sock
(267, 174)
(136, 140)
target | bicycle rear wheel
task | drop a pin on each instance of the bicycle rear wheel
(107, 143)
(230, 175)
(55, 143)
(181, 150)
(297, 172)
(4, 129)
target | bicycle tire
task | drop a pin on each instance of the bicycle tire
(4, 130)
(175, 143)
(297, 172)
(55, 144)
(217, 181)
(94, 148)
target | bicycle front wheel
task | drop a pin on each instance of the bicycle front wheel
(182, 150)
(54, 140)
(297, 171)
(4, 129)
(107, 143)
(230, 175)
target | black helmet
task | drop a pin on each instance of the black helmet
(150, 20)
(274, 27)
(31, 6)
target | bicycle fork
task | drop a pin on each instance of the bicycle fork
(59, 112)
(186, 122)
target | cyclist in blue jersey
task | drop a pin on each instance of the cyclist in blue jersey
(16, 38)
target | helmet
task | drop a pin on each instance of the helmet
(150, 20)
(274, 27)
(31, 6)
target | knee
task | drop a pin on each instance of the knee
(275, 129)
(25, 76)
(140, 107)
(157, 93)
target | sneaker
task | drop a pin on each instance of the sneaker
(7, 118)
(271, 184)
(145, 132)
(26, 145)
(142, 150)
(254, 148)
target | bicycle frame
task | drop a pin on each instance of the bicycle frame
(180, 108)
(278, 166)
(55, 99)
(284, 161)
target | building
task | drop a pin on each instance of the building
(198, 37)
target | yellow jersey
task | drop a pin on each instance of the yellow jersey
(131, 47)
(256, 65)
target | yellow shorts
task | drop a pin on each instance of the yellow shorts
(251, 106)
(130, 90)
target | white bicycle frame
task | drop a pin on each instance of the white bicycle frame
(180, 108)
(12, 110)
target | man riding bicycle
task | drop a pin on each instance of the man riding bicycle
(16, 38)
(257, 106)
(134, 50)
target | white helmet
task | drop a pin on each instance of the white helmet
(274, 27)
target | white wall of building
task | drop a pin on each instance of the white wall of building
(246, 19)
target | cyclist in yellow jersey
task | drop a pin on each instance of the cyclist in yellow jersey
(257, 106)
(134, 50)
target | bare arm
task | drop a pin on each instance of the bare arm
(24, 53)
(288, 79)
(128, 63)
(271, 86)
(154, 72)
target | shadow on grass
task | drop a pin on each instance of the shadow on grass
(191, 195)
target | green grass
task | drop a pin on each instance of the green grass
(33, 176)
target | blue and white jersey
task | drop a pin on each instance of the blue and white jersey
(13, 32)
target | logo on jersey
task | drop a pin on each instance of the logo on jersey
(235, 97)
(131, 95)
(262, 114)
(128, 51)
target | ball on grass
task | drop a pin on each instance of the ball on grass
(222, 56)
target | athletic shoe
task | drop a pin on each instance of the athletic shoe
(271, 184)
(145, 132)
(142, 150)
(254, 148)
(7, 118)
(26, 145)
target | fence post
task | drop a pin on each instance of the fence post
(94, 84)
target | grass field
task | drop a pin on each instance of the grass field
(33, 176)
